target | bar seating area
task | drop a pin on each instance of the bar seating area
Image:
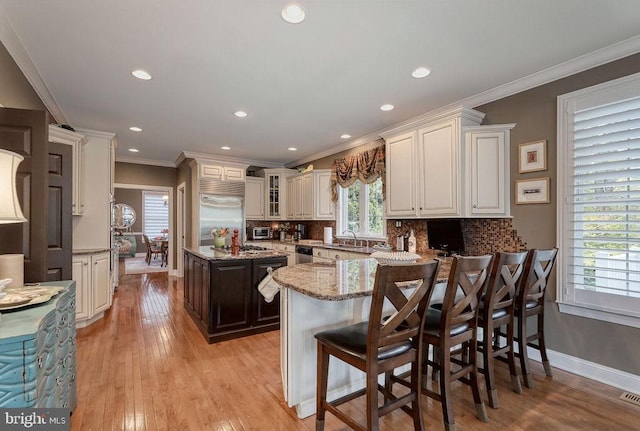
(494, 293)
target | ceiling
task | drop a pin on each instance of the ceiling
(302, 85)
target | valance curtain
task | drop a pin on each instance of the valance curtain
(366, 166)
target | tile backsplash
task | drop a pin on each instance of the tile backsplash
(481, 236)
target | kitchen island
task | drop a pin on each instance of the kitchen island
(221, 292)
(318, 296)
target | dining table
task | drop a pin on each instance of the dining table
(163, 244)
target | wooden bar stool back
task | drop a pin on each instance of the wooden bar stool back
(530, 302)
(455, 323)
(380, 345)
(496, 320)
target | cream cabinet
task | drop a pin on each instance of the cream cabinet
(220, 172)
(309, 196)
(324, 254)
(424, 167)
(287, 248)
(487, 168)
(276, 192)
(254, 198)
(91, 272)
(77, 141)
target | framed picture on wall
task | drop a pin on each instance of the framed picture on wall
(533, 156)
(533, 191)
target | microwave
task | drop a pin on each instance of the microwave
(261, 233)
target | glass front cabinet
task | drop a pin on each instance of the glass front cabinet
(276, 191)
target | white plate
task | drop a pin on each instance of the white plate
(26, 296)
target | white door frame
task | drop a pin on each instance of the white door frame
(169, 191)
(180, 227)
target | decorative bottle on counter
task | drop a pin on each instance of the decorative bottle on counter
(412, 242)
(235, 245)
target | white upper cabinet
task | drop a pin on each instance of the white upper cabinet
(309, 196)
(276, 192)
(324, 207)
(77, 142)
(401, 176)
(487, 167)
(448, 167)
(254, 198)
(220, 172)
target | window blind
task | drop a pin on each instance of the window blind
(606, 196)
(156, 213)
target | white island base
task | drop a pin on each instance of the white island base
(301, 317)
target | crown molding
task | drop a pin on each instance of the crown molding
(145, 162)
(15, 48)
(64, 136)
(588, 61)
(214, 157)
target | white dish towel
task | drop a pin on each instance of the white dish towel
(267, 287)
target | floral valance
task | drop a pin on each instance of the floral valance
(366, 166)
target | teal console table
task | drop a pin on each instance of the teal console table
(38, 353)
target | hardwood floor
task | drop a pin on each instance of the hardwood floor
(145, 366)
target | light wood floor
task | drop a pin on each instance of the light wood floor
(146, 367)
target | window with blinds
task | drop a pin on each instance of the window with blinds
(599, 201)
(155, 213)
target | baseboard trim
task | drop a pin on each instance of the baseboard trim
(590, 370)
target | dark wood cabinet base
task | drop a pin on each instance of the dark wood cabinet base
(222, 296)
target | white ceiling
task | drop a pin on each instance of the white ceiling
(303, 85)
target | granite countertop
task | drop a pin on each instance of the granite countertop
(89, 250)
(338, 280)
(206, 252)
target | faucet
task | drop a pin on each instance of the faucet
(355, 238)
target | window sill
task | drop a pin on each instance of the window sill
(603, 315)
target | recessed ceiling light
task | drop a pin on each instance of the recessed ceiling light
(240, 114)
(135, 129)
(292, 149)
(134, 150)
(421, 72)
(386, 107)
(293, 14)
(225, 148)
(141, 74)
(345, 136)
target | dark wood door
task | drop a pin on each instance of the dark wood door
(230, 295)
(265, 312)
(26, 132)
(59, 218)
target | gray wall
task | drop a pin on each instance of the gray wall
(133, 198)
(147, 175)
(15, 90)
(534, 111)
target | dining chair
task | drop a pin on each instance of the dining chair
(454, 324)
(530, 302)
(381, 344)
(152, 250)
(495, 318)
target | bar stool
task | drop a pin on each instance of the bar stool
(496, 320)
(455, 323)
(530, 302)
(380, 345)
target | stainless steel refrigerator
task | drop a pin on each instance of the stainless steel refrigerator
(221, 211)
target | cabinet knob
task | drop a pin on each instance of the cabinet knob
(413, 209)
(73, 205)
(475, 206)
(58, 381)
(86, 264)
(337, 256)
(39, 361)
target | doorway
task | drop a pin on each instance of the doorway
(154, 219)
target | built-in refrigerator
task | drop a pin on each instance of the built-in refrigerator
(218, 212)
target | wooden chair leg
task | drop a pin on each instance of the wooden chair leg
(542, 346)
(444, 365)
(522, 351)
(511, 359)
(416, 388)
(488, 364)
(372, 401)
(322, 378)
(472, 349)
